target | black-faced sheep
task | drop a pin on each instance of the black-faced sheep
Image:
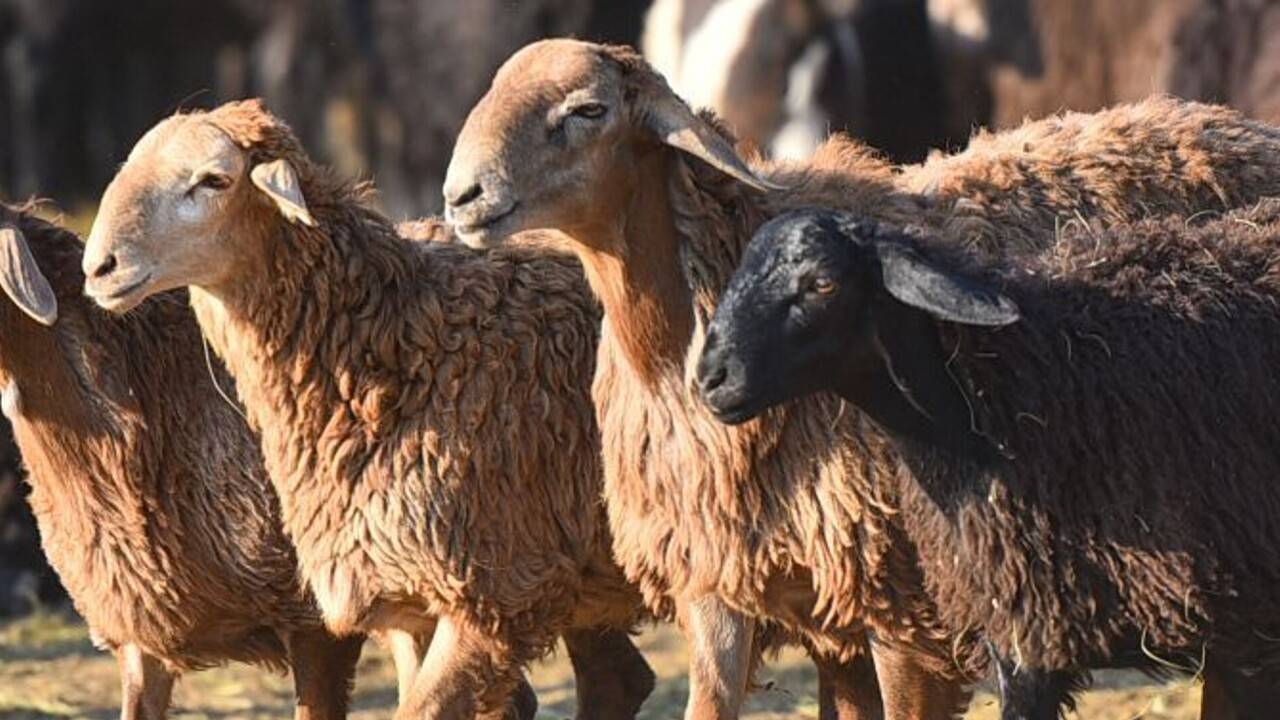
(1087, 443)
(791, 522)
(424, 408)
(148, 486)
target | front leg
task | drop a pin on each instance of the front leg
(910, 691)
(847, 690)
(466, 673)
(407, 651)
(145, 684)
(720, 654)
(1233, 695)
(1030, 694)
(324, 668)
(612, 678)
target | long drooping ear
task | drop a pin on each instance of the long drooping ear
(279, 181)
(915, 282)
(676, 125)
(22, 280)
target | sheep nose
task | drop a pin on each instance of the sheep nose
(469, 194)
(711, 378)
(712, 370)
(104, 268)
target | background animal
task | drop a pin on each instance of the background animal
(1070, 499)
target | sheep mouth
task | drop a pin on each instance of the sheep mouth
(734, 408)
(122, 298)
(487, 227)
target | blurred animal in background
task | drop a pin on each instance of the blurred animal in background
(908, 76)
(785, 73)
(379, 87)
(1006, 60)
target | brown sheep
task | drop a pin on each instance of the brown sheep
(424, 408)
(791, 522)
(1086, 433)
(147, 485)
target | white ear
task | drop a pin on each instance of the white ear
(22, 281)
(279, 181)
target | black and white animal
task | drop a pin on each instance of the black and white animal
(1089, 455)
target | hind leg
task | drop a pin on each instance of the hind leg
(1029, 694)
(324, 669)
(910, 691)
(847, 690)
(145, 685)
(613, 680)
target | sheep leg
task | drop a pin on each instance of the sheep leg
(848, 690)
(523, 705)
(460, 663)
(407, 653)
(720, 649)
(912, 692)
(612, 678)
(324, 668)
(1229, 695)
(406, 650)
(145, 685)
(1030, 694)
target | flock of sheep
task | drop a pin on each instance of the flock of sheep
(1006, 411)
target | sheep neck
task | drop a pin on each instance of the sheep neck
(272, 326)
(639, 279)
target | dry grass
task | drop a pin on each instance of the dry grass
(48, 669)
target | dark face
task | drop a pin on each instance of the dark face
(825, 302)
(790, 320)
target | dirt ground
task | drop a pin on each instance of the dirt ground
(48, 669)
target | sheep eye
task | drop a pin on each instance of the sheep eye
(590, 111)
(213, 181)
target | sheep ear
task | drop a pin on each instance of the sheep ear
(668, 117)
(279, 181)
(22, 280)
(912, 280)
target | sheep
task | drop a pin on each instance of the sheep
(793, 524)
(152, 504)
(1087, 451)
(423, 407)
(182, 604)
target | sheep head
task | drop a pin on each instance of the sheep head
(557, 141)
(181, 209)
(828, 301)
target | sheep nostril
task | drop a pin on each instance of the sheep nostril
(106, 267)
(713, 378)
(467, 196)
